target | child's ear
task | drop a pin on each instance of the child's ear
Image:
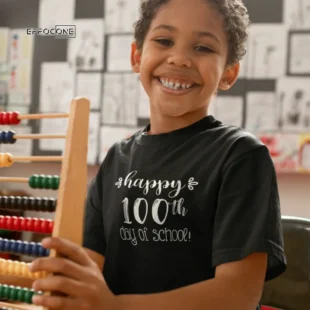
(135, 58)
(230, 77)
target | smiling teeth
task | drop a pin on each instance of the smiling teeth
(174, 85)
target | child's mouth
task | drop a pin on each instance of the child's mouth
(176, 85)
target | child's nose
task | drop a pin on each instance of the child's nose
(179, 58)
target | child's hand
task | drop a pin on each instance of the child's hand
(78, 277)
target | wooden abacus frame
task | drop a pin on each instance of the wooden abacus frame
(73, 183)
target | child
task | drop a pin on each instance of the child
(185, 213)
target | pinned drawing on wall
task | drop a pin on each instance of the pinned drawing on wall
(4, 43)
(88, 84)
(120, 97)
(267, 51)
(294, 104)
(228, 109)
(85, 52)
(119, 48)
(261, 111)
(56, 12)
(297, 14)
(284, 150)
(57, 87)
(304, 153)
(20, 67)
(121, 15)
(299, 53)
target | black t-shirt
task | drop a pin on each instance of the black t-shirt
(166, 209)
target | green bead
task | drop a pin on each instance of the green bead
(38, 181)
(46, 181)
(13, 293)
(6, 291)
(55, 182)
(1, 291)
(32, 181)
(21, 294)
(28, 296)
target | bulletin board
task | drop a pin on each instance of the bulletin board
(271, 98)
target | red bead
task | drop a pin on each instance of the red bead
(22, 222)
(2, 221)
(16, 223)
(9, 223)
(50, 226)
(6, 118)
(14, 118)
(37, 225)
(1, 118)
(30, 223)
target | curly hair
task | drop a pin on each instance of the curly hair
(235, 17)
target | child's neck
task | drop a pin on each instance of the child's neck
(164, 124)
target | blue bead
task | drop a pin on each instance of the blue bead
(6, 245)
(1, 245)
(2, 136)
(27, 249)
(10, 137)
(33, 249)
(40, 250)
(17, 246)
(11, 245)
(47, 252)
(21, 247)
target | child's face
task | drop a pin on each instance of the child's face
(186, 46)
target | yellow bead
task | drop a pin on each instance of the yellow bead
(10, 269)
(6, 160)
(24, 269)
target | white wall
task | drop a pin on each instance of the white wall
(294, 188)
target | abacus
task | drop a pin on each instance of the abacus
(68, 207)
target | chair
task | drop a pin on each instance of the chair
(291, 291)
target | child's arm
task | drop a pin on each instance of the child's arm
(237, 285)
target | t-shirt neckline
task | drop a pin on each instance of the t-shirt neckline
(175, 135)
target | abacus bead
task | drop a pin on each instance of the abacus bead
(21, 247)
(50, 226)
(52, 205)
(55, 182)
(2, 206)
(22, 223)
(40, 250)
(45, 182)
(14, 246)
(6, 202)
(27, 249)
(16, 223)
(3, 137)
(1, 245)
(1, 118)
(6, 291)
(2, 221)
(14, 120)
(9, 137)
(12, 203)
(6, 221)
(21, 294)
(9, 223)
(28, 296)
(38, 204)
(37, 225)
(7, 118)
(32, 181)
(30, 224)
(5, 245)
(12, 293)
(1, 291)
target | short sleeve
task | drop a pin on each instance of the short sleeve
(93, 236)
(248, 217)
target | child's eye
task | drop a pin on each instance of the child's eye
(164, 42)
(203, 49)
